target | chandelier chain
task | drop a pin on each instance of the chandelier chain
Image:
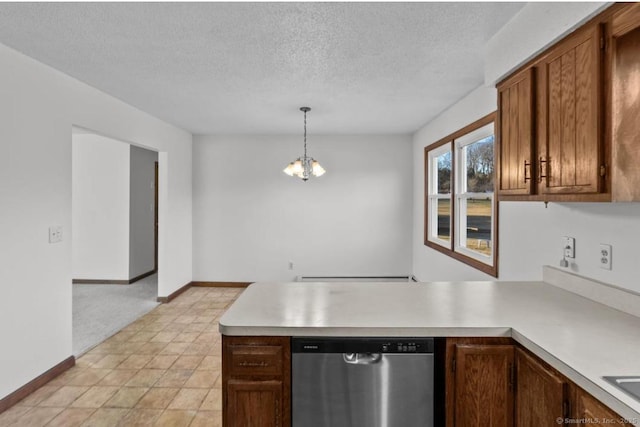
(305, 134)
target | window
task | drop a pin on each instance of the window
(461, 210)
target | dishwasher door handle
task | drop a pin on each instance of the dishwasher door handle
(362, 358)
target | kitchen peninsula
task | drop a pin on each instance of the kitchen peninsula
(575, 340)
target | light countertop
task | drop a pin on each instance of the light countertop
(582, 339)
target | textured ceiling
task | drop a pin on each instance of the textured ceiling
(248, 67)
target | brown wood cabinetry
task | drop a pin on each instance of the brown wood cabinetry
(570, 139)
(516, 164)
(256, 381)
(496, 382)
(551, 142)
(591, 411)
(479, 382)
(625, 29)
(484, 387)
(254, 403)
(542, 395)
(582, 123)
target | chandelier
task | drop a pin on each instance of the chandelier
(305, 166)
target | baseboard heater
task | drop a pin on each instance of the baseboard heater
(409, 278)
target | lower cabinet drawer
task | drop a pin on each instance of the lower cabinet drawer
(253, 360)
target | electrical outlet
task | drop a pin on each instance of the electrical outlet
(605, 256)
(55, 234)
(569, 245)
(290, 265)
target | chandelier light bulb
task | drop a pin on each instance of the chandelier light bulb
(317, 169)
(289, 169)
(297, 167)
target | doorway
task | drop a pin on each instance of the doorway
(114, 235)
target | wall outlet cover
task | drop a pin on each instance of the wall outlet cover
(605, 256)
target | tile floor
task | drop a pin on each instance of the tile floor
(161, 370)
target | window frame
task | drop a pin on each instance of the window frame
(436, 152)
(451, 247)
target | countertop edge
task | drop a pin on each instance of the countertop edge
(351, 331)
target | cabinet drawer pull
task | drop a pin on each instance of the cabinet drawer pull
(261, 364)
(526, 164)
(544, 172)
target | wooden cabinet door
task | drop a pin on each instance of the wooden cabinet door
(541, 395)
(516, 163)
(626, 104)
(570, 136)
(484, 385)
(254, 403)
(593, 412)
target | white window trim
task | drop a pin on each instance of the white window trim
(433, 196)
(462, 195)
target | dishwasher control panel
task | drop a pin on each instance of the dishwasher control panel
(362, 345)
(403, 347)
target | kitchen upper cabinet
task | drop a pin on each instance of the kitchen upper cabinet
(256, 381)
(570, 131)
(516, 163)
(542, 396)
(483, 381)
(583, 122)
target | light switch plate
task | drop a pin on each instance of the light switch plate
(55, 234)
(569, 245)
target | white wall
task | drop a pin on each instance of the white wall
(529, 234)
(250, 219)
(100, 208)
(141, 211)
(38, 107)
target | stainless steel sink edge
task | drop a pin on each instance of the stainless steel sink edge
(630, 384)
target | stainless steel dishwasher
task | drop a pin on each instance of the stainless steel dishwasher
(362, 382)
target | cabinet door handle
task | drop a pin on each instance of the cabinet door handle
(543, 172)
(526, 164)
(277, 412)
